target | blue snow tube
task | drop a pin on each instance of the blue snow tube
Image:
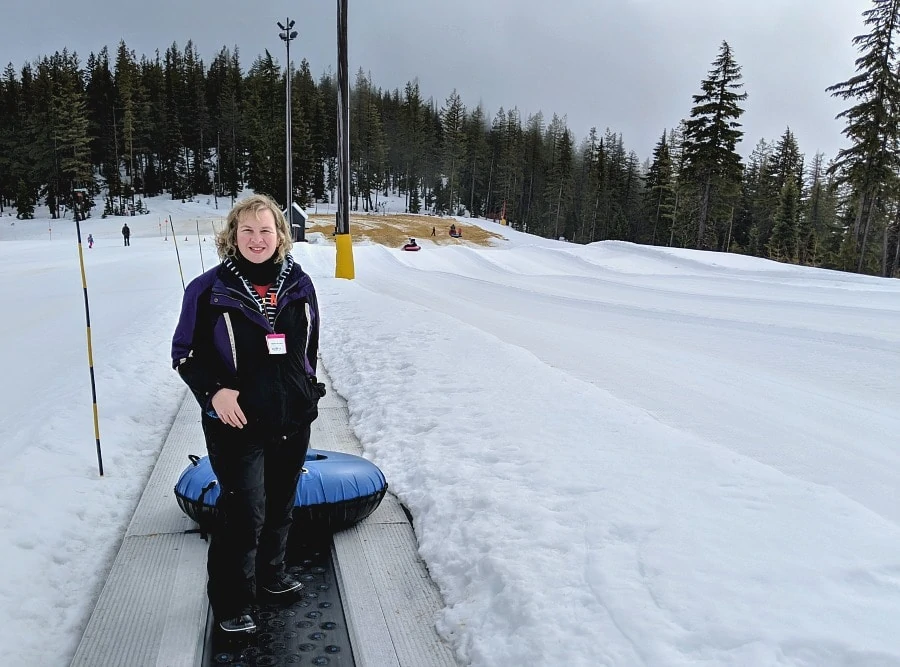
(335, 491)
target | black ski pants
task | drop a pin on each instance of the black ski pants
(257, 484)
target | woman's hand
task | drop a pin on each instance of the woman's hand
(225, 404)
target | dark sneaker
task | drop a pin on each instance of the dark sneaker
(242, 623)
(286, 583)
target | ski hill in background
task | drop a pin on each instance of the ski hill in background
(612, 454)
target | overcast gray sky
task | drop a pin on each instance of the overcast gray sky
(630, 65)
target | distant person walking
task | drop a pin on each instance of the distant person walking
(433, 232)
(90, 241)
(126, 234)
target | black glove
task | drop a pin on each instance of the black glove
(318, 387)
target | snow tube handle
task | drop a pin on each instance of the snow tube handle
(194, 459)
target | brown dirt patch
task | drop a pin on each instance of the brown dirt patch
(395, 230)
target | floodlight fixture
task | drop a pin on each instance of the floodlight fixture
(286, 36)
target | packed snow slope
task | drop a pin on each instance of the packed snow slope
(613, 454)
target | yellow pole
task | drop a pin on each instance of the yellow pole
(344, 265)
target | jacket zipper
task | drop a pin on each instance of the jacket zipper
(244, 301)
(285, 288)
(242, 298)
(228, 326)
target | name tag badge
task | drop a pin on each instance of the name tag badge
(276, 343)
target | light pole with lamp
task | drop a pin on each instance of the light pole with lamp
(287, 35)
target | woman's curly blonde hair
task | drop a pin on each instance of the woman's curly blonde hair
(226, 240)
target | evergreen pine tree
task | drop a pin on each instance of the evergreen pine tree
(196, 121)
(535, 155)
(660, 190)
(229, 129)
(783, 244)
(453, 147)
(328, 111)
(817, 221)
(153, 126)
(308, 136)
(24, 201)
(127, 83)
(787, 159)
(263, 127)
(710, 137)
(806, 241)
(871, 163)
(558, 186)
(100, 96)
(507, 135)
(172, 145)
(11, 122)
(474, 172)
(587, 187)
(615, 175)
(414, 126)
(40, 136)
(70, 129)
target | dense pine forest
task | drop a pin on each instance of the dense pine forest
(128, 127)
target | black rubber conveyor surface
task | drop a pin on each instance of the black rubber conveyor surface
(308, 629)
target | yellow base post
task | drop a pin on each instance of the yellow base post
(344, 264)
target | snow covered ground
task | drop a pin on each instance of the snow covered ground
(613, 454)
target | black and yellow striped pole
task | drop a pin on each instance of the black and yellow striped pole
(79, 200)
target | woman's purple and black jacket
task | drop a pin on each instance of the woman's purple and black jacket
(220, 341)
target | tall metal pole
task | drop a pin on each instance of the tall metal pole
(343, 91)
(177, 254)
(344, 258)
(289, 194)
(218, 170)
(287, 35)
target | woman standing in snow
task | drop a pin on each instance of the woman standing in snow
(246, 345)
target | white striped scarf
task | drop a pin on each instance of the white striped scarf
(269, 303)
